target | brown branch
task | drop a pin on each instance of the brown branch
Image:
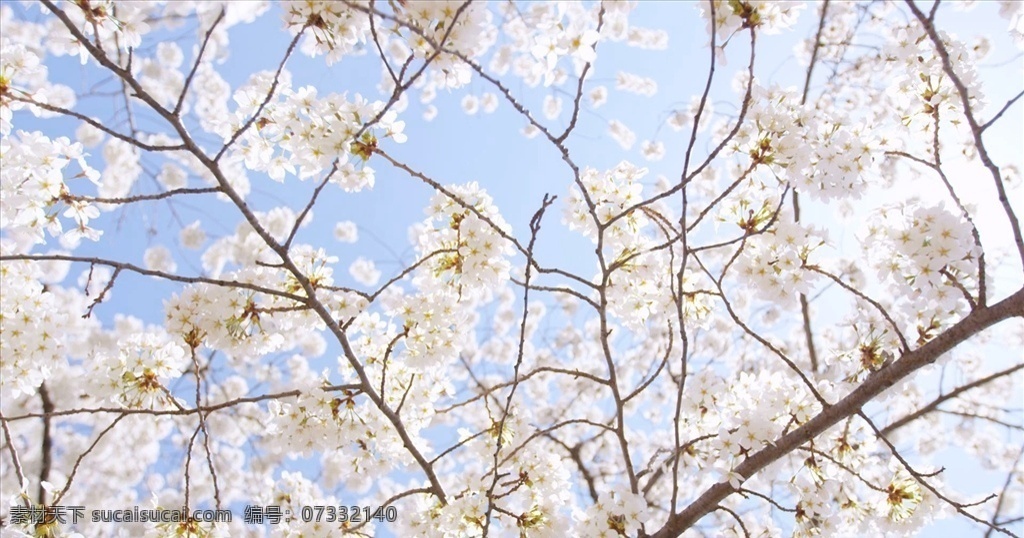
(46, 446)
(15, 460)
(974, 323)
(922, 479)
(1002, 494)
(487, 392)
(195, 65)
(907, 419)
(1003, 110)
(81, 458)
(579, 86)
(147, 272)
(103, 293)
(976, 129)
(122, 137)
(535, 224)
(206, 409)
(805, 312)
(203, 427)
(141, 197)
(874, 303)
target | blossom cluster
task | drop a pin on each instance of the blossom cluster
(247, 323)
(637, 84)
(303, 135)
(921, 86)
(775, 265)
(24, 76)
(924, 253)
(335, 28)
(137, 376)
(618, 514)
(465, 237)
(767, 16)
(459, 29)
(826, 155)
(611, 194)
(34, 194)
(29, 315)
(541, 37)
(533, 500)
(639, 272)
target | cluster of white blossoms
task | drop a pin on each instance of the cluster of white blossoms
(364, 271)
(468, 255)
(123, 168)
(431, 326)
(541, 36)
(301, 134)
(137, 375)
(1013, 12)
(618, 513)
(471, 104)
(531, 495)
(639, 273)
(320, 420)
(636, 291)
(247, 323)
(652, 150)
(535, 42)
(111, 25)
(34, 194)
(748, 415)
(552, 106)
(23, 75)
(346, 232)
(459, 517)
(404, 365)
(637, 84)
(920, 86)
(334, 28)
(817, 152)
(840, 163)
(192, 236)
(774, 264)
(159, 258)
(833, 38)
(766, 16)
(621, 134)
(459, 28)
(924, 254)
(161, 76)
(29, 318)
(293, 493)
(612, 193)
(225, 318)
(633, 292)
(827, 503)
(20, 63)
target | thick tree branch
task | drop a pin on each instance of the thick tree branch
(974, 323)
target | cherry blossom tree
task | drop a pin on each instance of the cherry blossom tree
(796, 310)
